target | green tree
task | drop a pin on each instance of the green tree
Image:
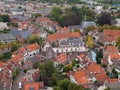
(64, 84)
(57, 88)
(36, 65)
(90, 28)
(99, 56)
(108, 88)
(35, 39)
(118, 42)
(67, 67)
(15, 73)
(104, 18)
(73, 86)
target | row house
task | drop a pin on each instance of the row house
(27, 51)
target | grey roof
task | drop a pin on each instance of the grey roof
(15, 33)
(71, 42)
(25, 34)
(6, 36)
(114, 86)
(86, 24)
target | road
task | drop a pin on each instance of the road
(17, 80)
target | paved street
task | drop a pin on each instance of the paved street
(17, 80)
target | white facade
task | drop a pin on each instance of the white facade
(69, 49)
(3, 26)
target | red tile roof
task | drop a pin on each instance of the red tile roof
(111, 35)
(79, 74)
(32, 47)
(95, 68)
(115, 56)
(36, 86)
(56, 36)
(101, 77)
(83, 80)
(111, 80)
(61, 58)
(17, 58)
(112, 49)
(2, 64)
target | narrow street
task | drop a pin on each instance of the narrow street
(17, 80)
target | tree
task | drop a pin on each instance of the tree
(35, 39)
(57, 88)
(90, 28)
(47, 70)
(118, 42)
(104, 18)
(108, 88)
(99, 56)
(67, 67)
(36, 65)
(73, 86)
(64, 84)
(77, 30)
(15, 73)
(89, 41)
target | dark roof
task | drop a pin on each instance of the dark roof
(25, 34)
(15, 33)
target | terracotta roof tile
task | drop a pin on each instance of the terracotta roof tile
(111, 80)
(56, 36)
(61, 58)
(111, 35)
(35, 86)
(112, 49)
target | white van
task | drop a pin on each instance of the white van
(20, 85)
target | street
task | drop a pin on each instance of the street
(17, 80)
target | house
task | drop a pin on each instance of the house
(63, 30)
(80, 77)
(60, 59)
(109, 50)
(25, 52)
(112, 83)
(54, 37)
(7, 38)
(32, 75)
(34, 86)
(71, 42)
(17, 11)
(110, 36)
(21, 36)
(97, 72)
(24, 35)
(114, 59)
(83, 60)
(3, 26)
(47, 23)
